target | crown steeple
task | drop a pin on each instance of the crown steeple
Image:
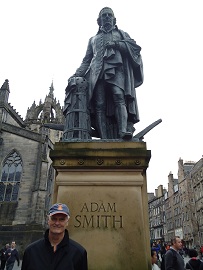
(48, 111)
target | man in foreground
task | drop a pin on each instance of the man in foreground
(173, 260)
(56, 250)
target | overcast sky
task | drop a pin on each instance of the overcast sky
(45, 40)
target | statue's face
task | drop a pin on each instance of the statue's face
(107, 18)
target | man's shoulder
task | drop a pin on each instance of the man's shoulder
(76, 245)
(171, 252)
(34, 244)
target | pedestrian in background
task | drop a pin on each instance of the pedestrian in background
(173, 260)
(154, 260)
(156, 248)
(12, 255)
(194, 263)
(56, 250)
(3, 256)
(163, 250)
(201, 251)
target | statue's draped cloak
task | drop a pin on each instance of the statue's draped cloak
(127, 57)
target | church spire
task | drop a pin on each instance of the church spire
(51, 90)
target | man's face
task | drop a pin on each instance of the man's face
(107, 18)
(13, 244)
(154, 258)
(178, 244)
(57, 223)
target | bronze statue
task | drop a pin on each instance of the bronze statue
(113, 69)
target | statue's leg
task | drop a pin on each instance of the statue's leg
(100, 109)
(121, 112)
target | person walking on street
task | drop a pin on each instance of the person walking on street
(163, 250)
(173, 260)
(201, 250)
(194, 263)
(154, 260)
(3, 256)
(12, 255)
(56, 250)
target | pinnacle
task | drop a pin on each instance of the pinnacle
(5, 85)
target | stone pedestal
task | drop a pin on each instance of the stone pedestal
(104, 185)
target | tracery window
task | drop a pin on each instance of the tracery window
(10, 177)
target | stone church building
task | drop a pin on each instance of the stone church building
(26, 174)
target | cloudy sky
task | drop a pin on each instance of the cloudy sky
(45, 40)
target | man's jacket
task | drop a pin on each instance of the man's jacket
(173, 260)
(10, 259)
(40, 255)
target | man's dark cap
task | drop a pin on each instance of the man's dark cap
(59, 208)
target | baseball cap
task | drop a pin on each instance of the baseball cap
(59, 208)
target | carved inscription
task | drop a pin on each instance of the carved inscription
(98, 215)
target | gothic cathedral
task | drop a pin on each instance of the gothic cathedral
(26, 174)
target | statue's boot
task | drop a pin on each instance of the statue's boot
(127, 135)
(121, 117)
(101, 124)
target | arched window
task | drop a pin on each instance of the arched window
(10, 178)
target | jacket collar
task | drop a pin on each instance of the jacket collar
(64, 242)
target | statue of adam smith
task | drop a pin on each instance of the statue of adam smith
(113, 68)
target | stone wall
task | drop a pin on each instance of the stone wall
(23, 235)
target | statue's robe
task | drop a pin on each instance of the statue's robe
(121, 66)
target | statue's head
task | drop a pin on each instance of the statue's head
(106, 18)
